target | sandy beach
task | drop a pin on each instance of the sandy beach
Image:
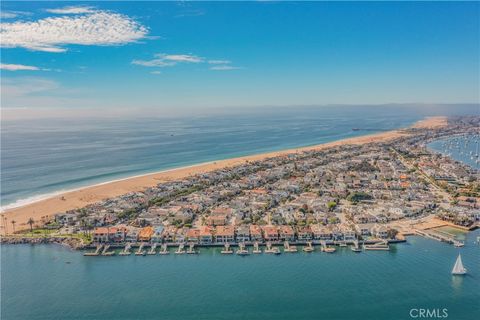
(81, 197)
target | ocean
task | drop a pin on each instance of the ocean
(53, 282)
(45, 156)
(38, 283)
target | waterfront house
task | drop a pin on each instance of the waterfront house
(158, 234)
(145, 234)
(270, 233)
(255, 233)
(380, 231)
(364, 229)
(205, 235)
(224, 234)
(101, 235)
(286, 233)
(132, 235)
(243, 233)
(304, 233)
(193, 235)
(321, 232)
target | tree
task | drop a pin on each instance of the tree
(331, 205)
(31, 222)
(13, 225)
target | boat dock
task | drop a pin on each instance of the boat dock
(140, 251)
(440, 236)
(191, 249)
(153, 250)
(96, 253)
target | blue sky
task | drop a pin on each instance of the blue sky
(179, 56)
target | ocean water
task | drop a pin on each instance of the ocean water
(44, 156)
(37, 283)
(463, 149)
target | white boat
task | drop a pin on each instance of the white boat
(458, 268)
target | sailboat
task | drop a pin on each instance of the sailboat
(458, 268)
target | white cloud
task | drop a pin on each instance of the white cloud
(224, 68)
(52, 34)
(5, 14)
(17, 67)
(72, 10)
(219, 61)
(168, 60)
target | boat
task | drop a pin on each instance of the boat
(458, 268)
(458, 244)
(379, 246)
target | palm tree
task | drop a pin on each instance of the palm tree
(13, 225)
(31, 222)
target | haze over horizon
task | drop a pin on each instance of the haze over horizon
(189, 57)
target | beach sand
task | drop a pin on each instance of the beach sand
(45, 209)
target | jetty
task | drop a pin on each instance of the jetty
(164, 249)
(226, 249)
(126, 251)
(242, 250)
(140, 251)
(191, 249)
(356, 247)
(288, 248)
(153, 250)
(308, 247)
(271, 249)
(379, 246)
(96, 253)
(326, 248)
(105, 251)
(180, 249)
(256, 248)
(439, 236)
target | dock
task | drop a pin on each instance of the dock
(226, 249)
(153, 250)
(105, 251)
(180, 249)
(126, 251)
(256, 248)
(140, 251)
(164, 249)
(191, 249)
(271, 249)
(242, 250)
(96, 253)
(439, 236)
(326, 248)
(308, 247)
(288, 248)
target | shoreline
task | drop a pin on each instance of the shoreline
(80, 197)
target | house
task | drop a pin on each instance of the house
(205, 235)
(193, 235)
(270, 233)
(109, 234)
(243, 233)
(380, 231)
(364, 229)
(320, 232)
(158, 234)
(304, 233)
(216, 220)
(146, 233)
(286, 233)
(224, 234)
(255, 233)
(132, 235)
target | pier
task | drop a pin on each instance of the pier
(96, 253)
(153, 250)
(191, 249)
(288, 248)
(309, 247)
(126, 251)
(164, 249)
(140, 251)
(105, 251)
(439, 236)
(226, 249)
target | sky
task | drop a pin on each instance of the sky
(175, 56)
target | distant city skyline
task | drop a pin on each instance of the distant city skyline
(179, 56)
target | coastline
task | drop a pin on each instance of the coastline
(77, 198)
